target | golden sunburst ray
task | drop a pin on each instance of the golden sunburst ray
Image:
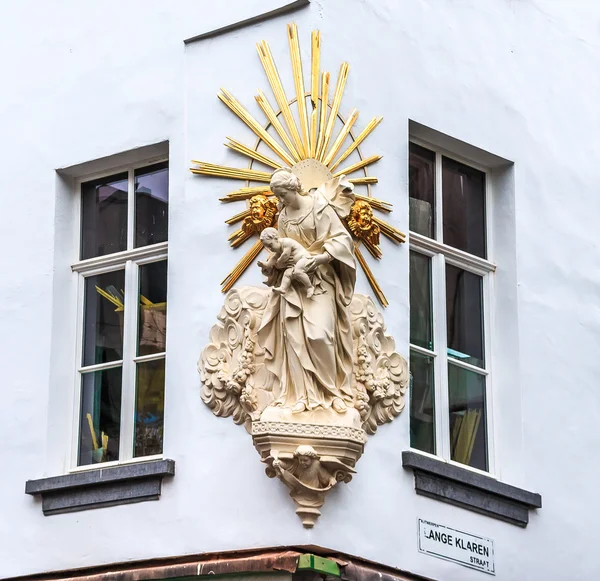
(370, 277)
(373, 249)
(380, 205)
(266, 58)
(358, 165)
(248, 258)
(245, 194)
(247, 151)
(264, 104)
(238, 217)
(253, 124)
(312, 146)
(315, 68)
(223, 171)
(299, 85)
(335, 107)
(361, 137)
(238, 237)
(389, 230)
(339, 141)
(323, 113)
(314, 121)
(367, 180)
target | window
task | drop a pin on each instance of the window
(122, 303)
(450, 289)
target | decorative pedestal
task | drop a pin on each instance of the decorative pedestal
(309, 447)
(310, 459)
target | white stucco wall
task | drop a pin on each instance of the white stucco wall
(516, 78)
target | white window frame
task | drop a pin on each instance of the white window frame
(440, 255)
(130, 261)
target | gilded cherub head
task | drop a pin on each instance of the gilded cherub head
(363, 214)
(263, 211)
(361, 222)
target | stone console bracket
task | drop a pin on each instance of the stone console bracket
(482, 494)
(101, 487)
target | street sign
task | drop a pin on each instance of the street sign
(457, 546)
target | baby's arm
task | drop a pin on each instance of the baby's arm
(272, 260)
(270, 263)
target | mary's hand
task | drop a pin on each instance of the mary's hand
(314, 262)
(283, 262)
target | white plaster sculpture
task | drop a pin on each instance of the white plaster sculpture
(289, 256)
(305, 365)
(309, 477)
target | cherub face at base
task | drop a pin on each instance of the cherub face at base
(305, 461)
(306, 456)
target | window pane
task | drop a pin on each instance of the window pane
(421, 187)
(466, 394)
(151, 204)
(463, 199)
(100, 417)
(152, 325)
(104, 216)
(421, 322)
(103, 318)
(422, 407)
(149, 408)
(464, 315)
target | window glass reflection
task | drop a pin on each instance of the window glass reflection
(104, 216)
(463, 200)
(149, 408)
(421, 187)
(152, 325)
(103, 318)
(422, 404)
(151, 204)
(100, 416)
(464, 315)
(466, 394)
(421, 320)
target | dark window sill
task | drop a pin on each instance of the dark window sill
(101, 487)
(467, 489)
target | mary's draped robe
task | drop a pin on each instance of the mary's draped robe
(308, 342)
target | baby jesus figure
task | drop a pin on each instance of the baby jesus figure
(287, 255)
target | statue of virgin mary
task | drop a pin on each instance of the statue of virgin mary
(308, 341)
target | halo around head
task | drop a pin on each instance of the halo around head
(312, 173)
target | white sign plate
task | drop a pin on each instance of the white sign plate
(457, 546)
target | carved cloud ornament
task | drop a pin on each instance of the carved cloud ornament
(237, 384)
(304, 363)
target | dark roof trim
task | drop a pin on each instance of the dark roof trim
(291, 7)
(284, 559)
